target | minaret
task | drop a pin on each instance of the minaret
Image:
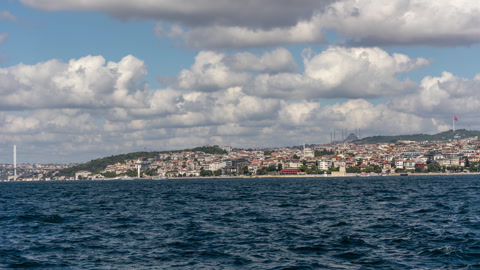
(14, 162)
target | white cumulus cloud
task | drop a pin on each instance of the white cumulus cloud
(88, 82)
(210, 73)
(90, 107)
(342, 73)
(442, 97)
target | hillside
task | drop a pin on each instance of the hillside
(447, 135)
(98, 165)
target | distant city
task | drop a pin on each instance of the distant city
(35, 171)
(340, 158)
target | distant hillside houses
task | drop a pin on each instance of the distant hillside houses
(345, 158)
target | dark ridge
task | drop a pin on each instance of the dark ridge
(443, 136)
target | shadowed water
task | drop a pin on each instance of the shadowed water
(295, 223)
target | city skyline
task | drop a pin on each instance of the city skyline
(82, 80)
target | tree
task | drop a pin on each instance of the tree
(132, 173)
(110, 174)
(303, 168)
(279, 166)
(377, 168)
(324, 152)
(206, 173)
(434, 167)
(245, 169)
(296, 156)
(474, 166)
(208, 150)
(368, 170)
(353, 169)
(150, 172)
(261, 171)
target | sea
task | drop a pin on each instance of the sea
(404, 222)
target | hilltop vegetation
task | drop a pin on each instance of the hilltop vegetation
(443, 136)
(98, 165)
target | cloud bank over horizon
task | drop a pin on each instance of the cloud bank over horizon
(225, 99)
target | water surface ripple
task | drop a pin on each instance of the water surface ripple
(295, 223)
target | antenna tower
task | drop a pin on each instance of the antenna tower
(14, 162)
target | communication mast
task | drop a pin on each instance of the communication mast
(14, 162)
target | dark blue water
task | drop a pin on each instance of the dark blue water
(324, 223)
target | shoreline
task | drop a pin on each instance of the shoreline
(317, 176)
(267, 176)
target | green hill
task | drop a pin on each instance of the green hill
(443, 136)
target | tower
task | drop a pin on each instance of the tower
(14, 162)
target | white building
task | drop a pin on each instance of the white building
(399, 164)
(308, 153)
(324, 164)
(83, 174)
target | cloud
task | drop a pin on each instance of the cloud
(252, 14)
(90, 107)
(175, 31)
(7, 16)
(210, 24)
(299, 113)
(176, 109)
(442, 97)
(342, 73)
(76, 134)
(218, 37)
(210, 73)
(334, 73)
(398, 22)
(276, 61)
(375, 119)
(49, 127)
(3, 37)
(88, 82)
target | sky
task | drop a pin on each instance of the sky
(80, 80)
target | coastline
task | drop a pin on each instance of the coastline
(266, 176)
(318, 176)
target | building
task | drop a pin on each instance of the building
(82, 175)
(290, 171)
(324, 164)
